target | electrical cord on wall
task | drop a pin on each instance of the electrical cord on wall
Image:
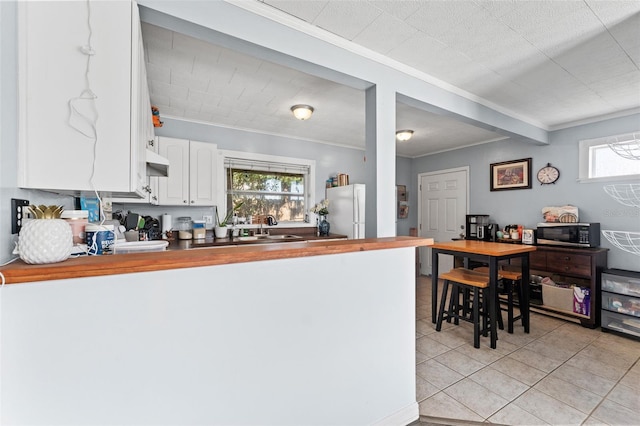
(85, 124)
(82, 122)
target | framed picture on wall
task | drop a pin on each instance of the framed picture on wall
(514, 174)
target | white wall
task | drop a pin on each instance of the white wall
(329, 341)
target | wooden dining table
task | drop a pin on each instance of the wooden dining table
(490, 253)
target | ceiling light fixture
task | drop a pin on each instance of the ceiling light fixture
(404, 135)
(302, 112)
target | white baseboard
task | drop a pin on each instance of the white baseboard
(402, 417)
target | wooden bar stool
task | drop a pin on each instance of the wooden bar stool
(511, 281)
(461, 280)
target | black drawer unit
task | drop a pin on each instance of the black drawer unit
(621, 302)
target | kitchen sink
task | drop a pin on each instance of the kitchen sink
(257, 239)
(252, 238)
(284, 237)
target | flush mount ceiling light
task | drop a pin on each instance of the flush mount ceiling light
(404, 135)
(302, 112)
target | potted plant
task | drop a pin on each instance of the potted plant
(322, 210)
(221, 225)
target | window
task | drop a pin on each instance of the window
(268, 185)
(611, 158)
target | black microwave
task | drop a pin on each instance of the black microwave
(569, 234)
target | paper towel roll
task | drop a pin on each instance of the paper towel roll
(166, 225)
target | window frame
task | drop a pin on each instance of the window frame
(584, 160)
(310, 180)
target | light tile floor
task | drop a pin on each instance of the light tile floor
(559, 373)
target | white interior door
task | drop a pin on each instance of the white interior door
(443, 206)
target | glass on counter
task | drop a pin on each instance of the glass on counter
(185, 226)
(199, 230)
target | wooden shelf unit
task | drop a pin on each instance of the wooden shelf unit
(581, 266)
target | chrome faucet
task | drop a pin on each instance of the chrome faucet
(262, 231)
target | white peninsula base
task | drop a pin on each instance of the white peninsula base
(326, 339)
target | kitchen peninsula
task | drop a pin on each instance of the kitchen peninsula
(320, 332)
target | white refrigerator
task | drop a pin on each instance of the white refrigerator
(346, 210)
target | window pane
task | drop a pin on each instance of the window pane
(266, 193)
(606, 162)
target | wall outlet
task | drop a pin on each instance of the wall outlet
(18, 214)
(208, 220)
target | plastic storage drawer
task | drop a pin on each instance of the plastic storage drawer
(621, 303)
(622, 323)
(622, 284)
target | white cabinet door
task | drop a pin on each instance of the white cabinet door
(192, 172)
(154, 181)
(142, 131)
(174, 190)
(150, 189)
(53, 75)
(202, 173)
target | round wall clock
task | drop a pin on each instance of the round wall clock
(548, 174)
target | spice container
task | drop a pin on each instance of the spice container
(77, 219)
(184, 228)
(199, 230)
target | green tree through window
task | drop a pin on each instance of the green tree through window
(267, 193)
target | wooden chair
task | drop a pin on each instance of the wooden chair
(462, 280)
(511, 280)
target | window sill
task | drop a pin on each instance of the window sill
(608, 179)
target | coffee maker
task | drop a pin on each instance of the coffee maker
(476, 226)
(487, 232)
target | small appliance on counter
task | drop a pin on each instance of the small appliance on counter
(488, 232)
(569, 234)
(476, 226)
(528, 236)
(511, 234)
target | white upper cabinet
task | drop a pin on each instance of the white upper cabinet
(60, 125)
(192, 174)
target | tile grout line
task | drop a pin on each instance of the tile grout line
(604, 398)
(584, 341)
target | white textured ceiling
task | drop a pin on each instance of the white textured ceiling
(547, 62)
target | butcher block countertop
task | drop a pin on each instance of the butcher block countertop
(91, 266)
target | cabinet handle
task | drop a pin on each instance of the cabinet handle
(184, 201)
(154, 198)
(566, 268)
(147, 188)
(151, 142)
(567, 258)
(192, 201)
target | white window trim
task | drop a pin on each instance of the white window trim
(310, 183)
(583, 162)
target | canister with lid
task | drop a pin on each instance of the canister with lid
(184, 228)
(199, 230)
(100, 238)
(77, 219)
